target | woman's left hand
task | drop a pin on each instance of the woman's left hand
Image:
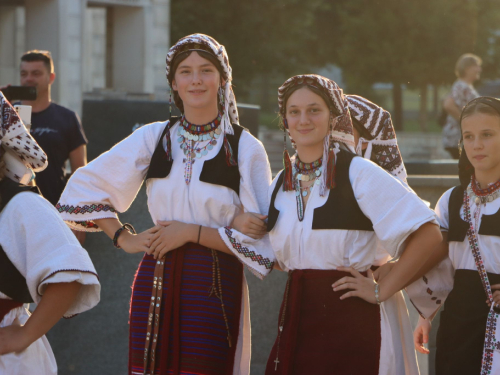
(361, 286)
(174, 234)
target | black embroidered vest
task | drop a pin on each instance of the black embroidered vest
(457, 231)
(341, 210)
(215, 171)
(12, 283)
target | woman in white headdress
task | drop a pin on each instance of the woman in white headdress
(40, 259)
(189, 309)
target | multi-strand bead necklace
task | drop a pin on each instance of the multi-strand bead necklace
(305, 172)
(481, 196)
(196, 141)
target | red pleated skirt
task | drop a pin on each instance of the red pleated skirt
(323, 334)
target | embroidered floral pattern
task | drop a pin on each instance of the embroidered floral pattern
(247, 252)
(85, 209)
(490, 342)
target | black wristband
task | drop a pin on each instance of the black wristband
(126, 226)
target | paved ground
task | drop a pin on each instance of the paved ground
(96, 342)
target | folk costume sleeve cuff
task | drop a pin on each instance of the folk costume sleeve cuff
(110, 183)
(44, 250)
(429, 292)
(257, 255)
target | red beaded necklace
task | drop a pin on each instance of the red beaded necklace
(484, 192)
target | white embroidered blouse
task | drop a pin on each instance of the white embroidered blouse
(430, 292)
(394, 209)
(110, 183)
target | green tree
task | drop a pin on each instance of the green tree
(263, 37)
(415, 43)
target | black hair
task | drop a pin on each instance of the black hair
(43, 56)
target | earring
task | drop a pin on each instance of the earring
(287, 164)
(170, 102)
(221, 96)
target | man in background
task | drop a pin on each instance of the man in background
(56, 129)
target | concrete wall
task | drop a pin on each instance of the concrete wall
(12, 43)
(76, 36)
(57, 26)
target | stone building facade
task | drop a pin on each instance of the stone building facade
(100, 47)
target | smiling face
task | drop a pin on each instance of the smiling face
(308, 117)
(196, 81)
(481, 137)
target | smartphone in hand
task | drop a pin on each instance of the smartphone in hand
(19, 93)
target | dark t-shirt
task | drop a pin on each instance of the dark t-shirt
(58, 131)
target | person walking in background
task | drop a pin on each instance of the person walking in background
(56, 129)
(467, 70)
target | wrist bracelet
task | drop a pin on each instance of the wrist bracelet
(199, 234)
(376, 294)
(126, 226)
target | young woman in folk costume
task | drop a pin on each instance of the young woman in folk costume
(331, 214)
(469, 214)
(40, 259)
(189, 309)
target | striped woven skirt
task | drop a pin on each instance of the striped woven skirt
(193, 335)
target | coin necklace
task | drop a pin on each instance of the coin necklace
(479, 195)
(305, 172)
(191, 138)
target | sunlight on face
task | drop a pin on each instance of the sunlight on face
(35, 74)
(308, 117)
(481, 133)
(197, 80)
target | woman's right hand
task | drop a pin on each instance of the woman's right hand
(251, 224)
(421, 335)
(136, 243)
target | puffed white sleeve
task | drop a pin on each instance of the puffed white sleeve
(255, 173)
(394, 210)
(430, 291)
(45, 251)
(110, 183)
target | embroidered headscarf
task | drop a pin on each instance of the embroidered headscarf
(382, 146)
(202, 42)
(21, 153)
(340, 128)
(465, 168)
